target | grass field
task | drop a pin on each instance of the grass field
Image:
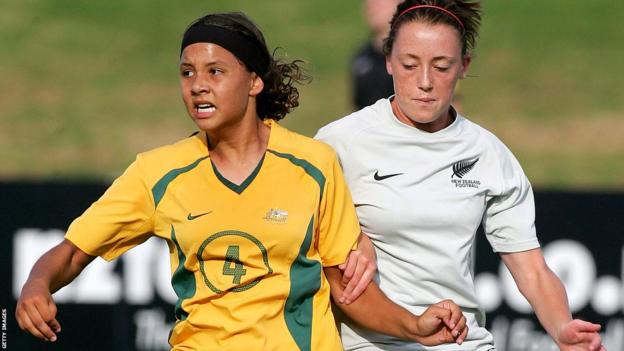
(86, 85)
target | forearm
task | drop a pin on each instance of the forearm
(548, 298)
(59, 266)
(373, 310)
(541, 287)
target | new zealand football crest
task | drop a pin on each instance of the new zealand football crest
(460, 170)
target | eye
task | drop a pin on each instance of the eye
(442, 68)
(409, 67)
(187, 73)
(215, 71)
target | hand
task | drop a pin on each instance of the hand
(36, 311)
(358, 270)
(441, 323)
(456, 321)
(578, 335)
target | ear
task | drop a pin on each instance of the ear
(388, 65)
(466, 60)
(256, 85)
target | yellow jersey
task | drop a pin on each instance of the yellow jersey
(246, 259)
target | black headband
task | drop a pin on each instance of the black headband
(244, 48)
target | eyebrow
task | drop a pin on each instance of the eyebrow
(437, 58)
(211, 63)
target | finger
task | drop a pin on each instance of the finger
(463, 335)
(444, 306)
(583, 326)
(348, 292)
(21, 317)
(344, 265)
(442, 314)
(456, 313)
(30, 328)
(351, 265)
(447, 305)
(27, 325)
(446, 337)
(367, 277)
(459, 327)
(38, 322)
(53, 323)
(587, 338)
(595, 342)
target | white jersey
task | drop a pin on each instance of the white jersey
(420, 197)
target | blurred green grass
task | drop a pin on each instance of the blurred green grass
(87, 85)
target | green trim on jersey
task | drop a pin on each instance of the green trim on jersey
(182, 280)
(305, 281)
(158, 191)
(310, 169)
(235, 187)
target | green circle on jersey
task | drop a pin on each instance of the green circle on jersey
(232, 264)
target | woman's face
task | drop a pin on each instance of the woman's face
(425, 63)
(216, 87)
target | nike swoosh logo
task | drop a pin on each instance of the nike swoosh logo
(382, 177)
(190, 217)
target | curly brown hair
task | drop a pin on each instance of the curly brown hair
(279, 95)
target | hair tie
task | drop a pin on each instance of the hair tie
(432, 7)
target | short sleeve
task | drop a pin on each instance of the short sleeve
(339, 228)
(118, 221)
(509, 219)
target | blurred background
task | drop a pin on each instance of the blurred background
(87, 85)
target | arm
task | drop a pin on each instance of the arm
(440, 323)
(358, 270)
(36, 311)
(544, 291)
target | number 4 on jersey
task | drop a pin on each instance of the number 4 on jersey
(232, 259)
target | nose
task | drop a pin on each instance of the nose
(200, 84)
(424, 79)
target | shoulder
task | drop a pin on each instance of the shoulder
(299, 148)
(340, 133)
(186, 153)
(483, 136)
(493, 149)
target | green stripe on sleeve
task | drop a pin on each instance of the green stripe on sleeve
(305, 281)
(158, 191)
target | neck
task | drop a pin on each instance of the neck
(239, 144)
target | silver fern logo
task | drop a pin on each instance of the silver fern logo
(460, 169)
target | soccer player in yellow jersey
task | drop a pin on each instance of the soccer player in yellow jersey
(257, 218)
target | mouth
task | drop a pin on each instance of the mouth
(425, 100)
(205, 108)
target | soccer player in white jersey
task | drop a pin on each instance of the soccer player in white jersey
(423, 179)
